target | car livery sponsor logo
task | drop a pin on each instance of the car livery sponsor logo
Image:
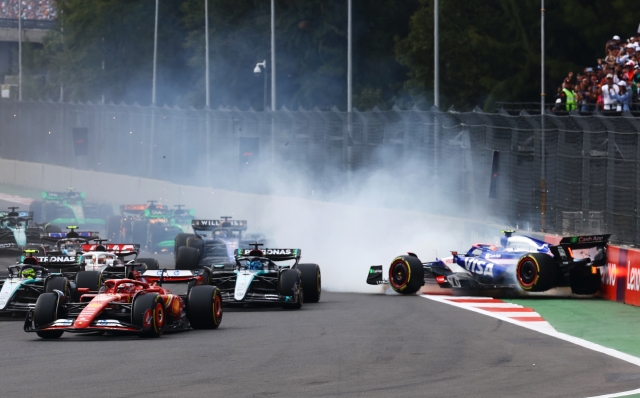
(478, 266)
(608, 274)
(271, 252)
(216, 223)
(633, 283)
(5, 245)
(493, 255)
(587, 239)
(57, 259)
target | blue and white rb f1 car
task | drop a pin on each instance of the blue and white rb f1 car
(519, 262)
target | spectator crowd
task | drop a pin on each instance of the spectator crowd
(31, 9)
(611, 85)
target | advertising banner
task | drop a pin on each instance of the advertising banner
(611, 278)
(632, 285)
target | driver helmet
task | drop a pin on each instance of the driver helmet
(126, 288)
(69, 248)
(102, 259)
(255, 265)
(29, 273)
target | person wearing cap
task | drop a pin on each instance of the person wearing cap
(613, 42)
(609, 91)
(623, 97)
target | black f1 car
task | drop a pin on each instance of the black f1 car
(273, 276)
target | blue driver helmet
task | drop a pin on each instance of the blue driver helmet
(254, 265)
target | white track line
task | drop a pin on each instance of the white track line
(549, 332)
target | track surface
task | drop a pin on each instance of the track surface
(347, 345)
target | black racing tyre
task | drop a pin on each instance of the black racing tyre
(289, 284)
(50, 228)
(60, 283)
(114, 224)
(147, 312)
(46, 312)
(196, 243)
(37, 208)
(139, 232)
(536, 272)
(204, 307)
(188, 258)
(89, 280)
(311, 282)
(406, 274)
(151, 263)
(583, 281)
(181, 241)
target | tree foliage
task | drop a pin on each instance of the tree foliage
(489, 50)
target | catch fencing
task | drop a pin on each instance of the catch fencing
(591, 161)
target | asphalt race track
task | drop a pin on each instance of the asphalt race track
(351, 345)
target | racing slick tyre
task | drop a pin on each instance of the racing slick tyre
(50, 228)
(36, 208)
(46, 312)
(536, 272)
(196, 243)
(148, 313)
(188, 258)
(406, 274)
(151, 263)
(583, 281)
(139, 232)
(289, 285)
(181, 241)
(311, 282)
(114, 223)
(89, 280)
(204, 307)
(60, 283)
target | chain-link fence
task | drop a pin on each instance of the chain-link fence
(591, 162)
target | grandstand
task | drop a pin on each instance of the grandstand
(38, 17)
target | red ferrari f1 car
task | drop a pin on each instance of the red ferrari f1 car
(153, 302)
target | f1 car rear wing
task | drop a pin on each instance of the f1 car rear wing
(585, 242)
(59, 196)
(140, 209)
(210, 225)
(272, 254)
(21, 214)
(120, 249)
(80, 234)
(57, 260)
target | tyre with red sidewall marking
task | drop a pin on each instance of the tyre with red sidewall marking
(148, 313)
(536, 272)
(406, 274)
(204, 307)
